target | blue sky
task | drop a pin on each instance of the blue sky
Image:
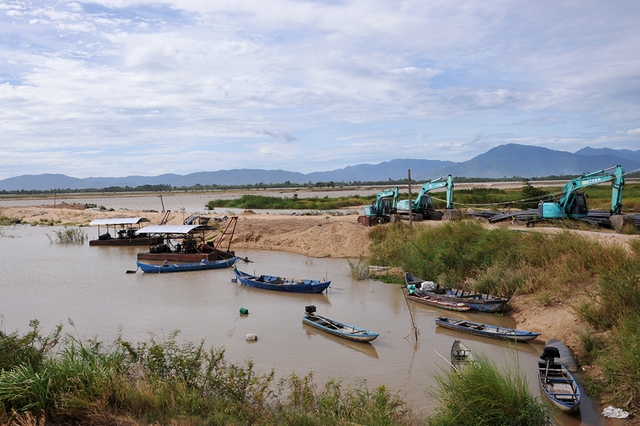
(136, 87)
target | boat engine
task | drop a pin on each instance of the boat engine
(550, 353)
(309, 309)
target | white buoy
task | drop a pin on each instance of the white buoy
(252, 337)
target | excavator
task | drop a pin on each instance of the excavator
(573, 203)
(382, 210)
(422, 206)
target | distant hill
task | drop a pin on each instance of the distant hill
(531, 161)
(503, 161)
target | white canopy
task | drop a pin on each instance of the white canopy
(119, 221)
(168, 229)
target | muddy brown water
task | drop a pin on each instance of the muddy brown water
(89, 285)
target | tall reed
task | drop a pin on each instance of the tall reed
(484, 393)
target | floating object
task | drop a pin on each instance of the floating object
(557, 383)
(183, 267)
(244, 311)
(566, 356)
(486, 330)
(252, 337)
(269, 282)
(335, 327)
(477, 301)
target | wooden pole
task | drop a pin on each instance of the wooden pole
(410, 204)
(416, 332)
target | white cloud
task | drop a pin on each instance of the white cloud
(352, 81)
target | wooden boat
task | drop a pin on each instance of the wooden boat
(270, 282)
(460, 355)
(557, 383)
(203, 265)
(124, 232)
(438, 303)
(337, 328)
(486, 330)
(477, 301)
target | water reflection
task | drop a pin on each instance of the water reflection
(366, 348)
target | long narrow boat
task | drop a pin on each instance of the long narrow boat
(184, 267)
(486, 330)
(437, 302)
(461, 356)
(557, 383)
(337, 328)
(270, 282)
(478, 301)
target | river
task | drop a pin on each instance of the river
(89, 285)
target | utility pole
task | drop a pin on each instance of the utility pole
(410, 204)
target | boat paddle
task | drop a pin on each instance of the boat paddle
(129, 271)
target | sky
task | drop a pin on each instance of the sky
(113, 88)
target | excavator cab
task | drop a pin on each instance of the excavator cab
(579, 205)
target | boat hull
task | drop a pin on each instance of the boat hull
(486, 330)
(559, 386)
(339, 329)
(461, 356)
(442, 304)
(186, 267)
(268, 282)
(186, 257)
(123, 242)
(477, 301)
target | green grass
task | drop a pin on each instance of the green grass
(500, 261)
(66, 381)
(484, 393)
(69, 236)
(294, 203)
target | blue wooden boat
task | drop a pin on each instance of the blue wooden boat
(336, 328)
(204, 264)
(557, 383)
(477, 301)
(486, 330)
(270, 282)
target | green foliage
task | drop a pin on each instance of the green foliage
(483, 393)
(295, 203)
(165, 382)
(69, 236)
(359, 268)
(6, 221)
(500, 261)
(29, 349)
(533, 195)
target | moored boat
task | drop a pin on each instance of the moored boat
(420, 297)
(271, 282)
(557, 383)
(477, 301)
(486, 330)
(121, 231)
(460, 355)
(337, 328)
(203, 265)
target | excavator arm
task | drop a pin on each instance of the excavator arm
(420, 203)
(572, 203)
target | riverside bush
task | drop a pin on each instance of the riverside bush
(500, 261)
(164, 382)
(483, 394)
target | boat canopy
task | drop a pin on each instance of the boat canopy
(168, 229)
(119, 221)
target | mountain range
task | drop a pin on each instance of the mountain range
(508, 160)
